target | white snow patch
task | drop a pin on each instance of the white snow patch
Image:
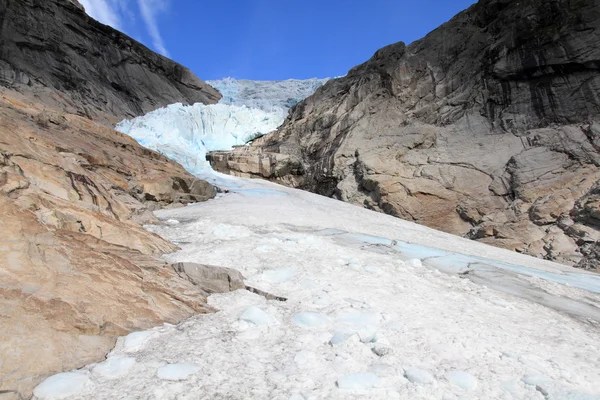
(61, 386)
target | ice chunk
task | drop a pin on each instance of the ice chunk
(135, 341)
(114, 367)
(310, 320)
(61, 386)
(278, 275)
(176, 372)
(257, 316)
(462, 379)
(340, 336)
(418, 375)
(359, 382)
(415, 262)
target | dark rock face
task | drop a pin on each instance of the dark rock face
(53, 50)
(487, 127)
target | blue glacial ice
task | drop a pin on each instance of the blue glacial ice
(248, 109)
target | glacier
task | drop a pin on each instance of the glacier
(248, 109)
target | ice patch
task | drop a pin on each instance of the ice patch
(359, 382)
(462, 379)
(61, 386)
(256, 316)
(114, 367)
(177, 372)
(340, 336)
(310, 320)
(418, 375)
(135, 341)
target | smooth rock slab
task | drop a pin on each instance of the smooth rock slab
(176, 372)
(61, 386)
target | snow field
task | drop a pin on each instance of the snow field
(361, 322)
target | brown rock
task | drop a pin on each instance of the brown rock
(76, 270)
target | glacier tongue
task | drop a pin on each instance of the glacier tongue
(248, 109)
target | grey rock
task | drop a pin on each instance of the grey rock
(488, 128)
(67, 60)
(209, 278)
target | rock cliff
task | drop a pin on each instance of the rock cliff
(77, 269)
(488, 127)
(68, 60)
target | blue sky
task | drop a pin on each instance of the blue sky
(273, 39)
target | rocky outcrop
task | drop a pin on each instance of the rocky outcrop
(77, 269)
(69, 61)
(488, 127)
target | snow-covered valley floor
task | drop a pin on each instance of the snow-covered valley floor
(378, 308)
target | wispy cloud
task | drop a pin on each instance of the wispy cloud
(149, 9)
(115, 12)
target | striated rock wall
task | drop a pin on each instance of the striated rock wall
(54, 51)
(488, 127)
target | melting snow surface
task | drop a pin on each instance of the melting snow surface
(248, 108)
(406, 327)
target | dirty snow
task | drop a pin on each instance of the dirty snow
(378, 308)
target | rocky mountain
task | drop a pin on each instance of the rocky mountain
(77, 270)
(488, 127)
(68, 60)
